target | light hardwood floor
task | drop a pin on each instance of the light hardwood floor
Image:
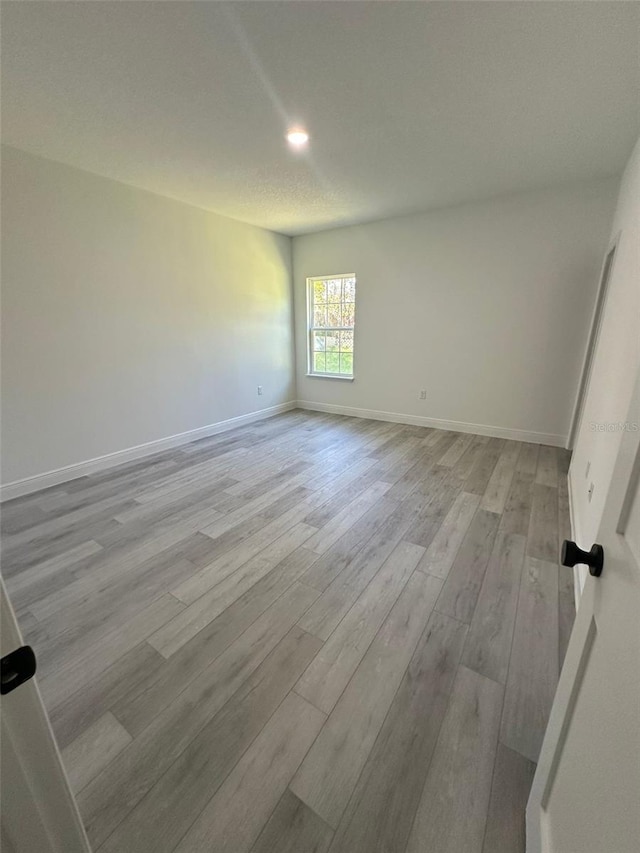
(314, 633)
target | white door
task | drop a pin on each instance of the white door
(585, 796)
(38, 811)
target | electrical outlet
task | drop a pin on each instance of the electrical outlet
(590, 492)
(259, 390)
(423, 395)
(586, 473)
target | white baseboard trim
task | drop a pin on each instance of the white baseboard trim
(19, 488)
(457, 426)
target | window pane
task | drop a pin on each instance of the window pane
(333, 341)
(319, 362)
(346, 362)
(334, 290)
(348, 314)
(319, 342)
(319, 292)
(346, 341)
(333, 362)
(334, 315)
(349, 290)
(320, 316)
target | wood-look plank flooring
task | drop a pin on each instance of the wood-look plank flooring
(315, 634)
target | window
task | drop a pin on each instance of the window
(332, 304)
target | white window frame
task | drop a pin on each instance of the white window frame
(345, 377)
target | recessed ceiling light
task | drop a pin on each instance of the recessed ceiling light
(297, 137)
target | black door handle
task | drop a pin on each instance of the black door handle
(594, 558)
(17, 667)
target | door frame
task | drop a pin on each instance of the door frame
(606, 272)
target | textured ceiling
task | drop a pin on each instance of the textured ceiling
(410, 106)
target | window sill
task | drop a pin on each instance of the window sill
(330, 376)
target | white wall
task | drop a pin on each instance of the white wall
(128, 317)
(485, 306)
(616, 363)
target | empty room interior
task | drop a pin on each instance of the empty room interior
(320, 427)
